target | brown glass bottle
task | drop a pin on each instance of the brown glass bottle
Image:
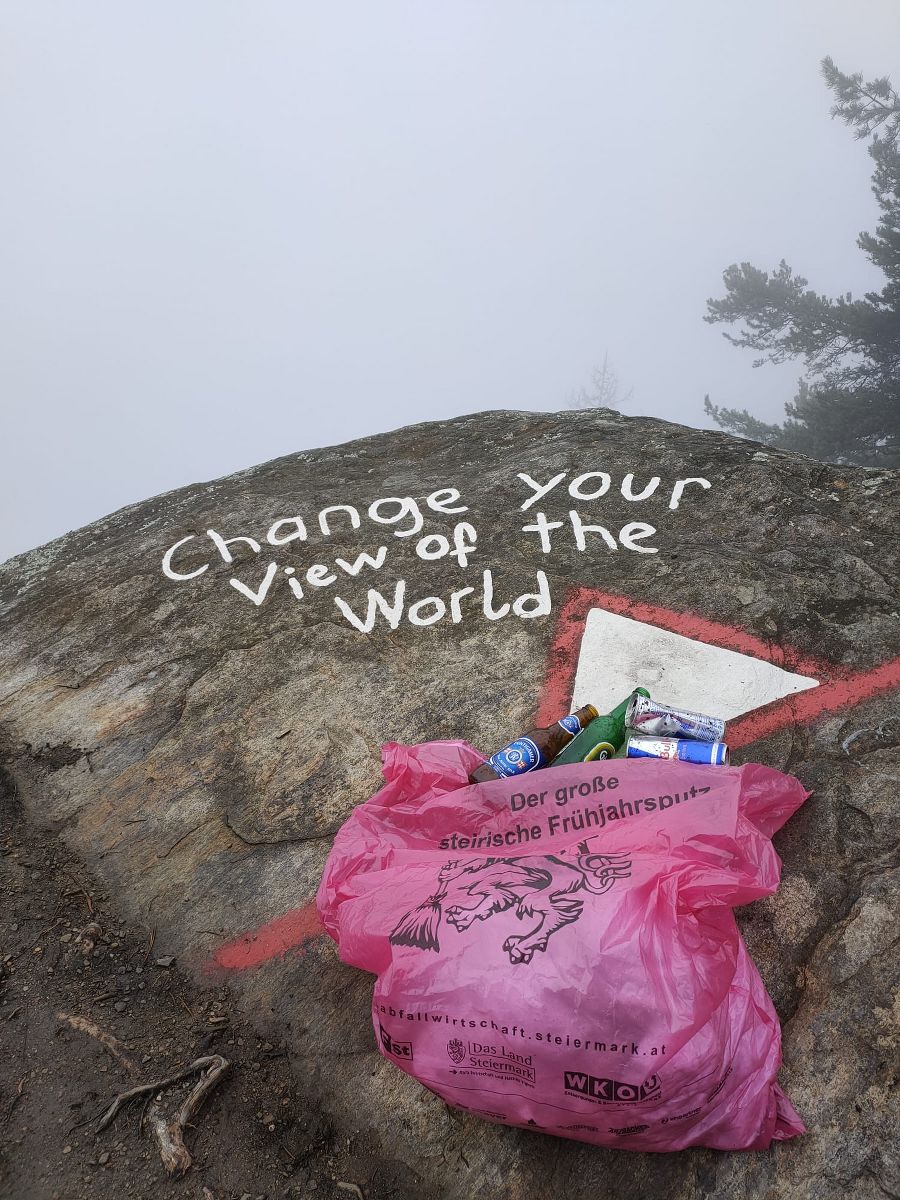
(534, 749)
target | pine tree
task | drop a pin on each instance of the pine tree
(604, 391)
(847, 408)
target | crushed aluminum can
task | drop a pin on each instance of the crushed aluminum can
(650, 718)
(713, 754)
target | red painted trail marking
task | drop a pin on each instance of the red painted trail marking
(562, 658)
(839, 687)
(291, 931)
(828, 697)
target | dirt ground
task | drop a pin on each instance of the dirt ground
(64, 951)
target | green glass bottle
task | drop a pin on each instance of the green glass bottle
(599, 739)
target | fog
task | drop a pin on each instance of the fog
(233, 231)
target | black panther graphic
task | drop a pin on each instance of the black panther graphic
(544, 887)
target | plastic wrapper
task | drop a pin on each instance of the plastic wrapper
(559, 952)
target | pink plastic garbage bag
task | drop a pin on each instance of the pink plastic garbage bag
(559, 951)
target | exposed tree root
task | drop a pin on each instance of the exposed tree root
(169, 1134)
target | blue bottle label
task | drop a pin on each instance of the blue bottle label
(516, 758)
(571, 724)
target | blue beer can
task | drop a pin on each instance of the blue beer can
(713, 754)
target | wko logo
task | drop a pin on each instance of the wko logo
(609, 1090)
(402, 1050)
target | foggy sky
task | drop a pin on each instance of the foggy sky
(233, 230)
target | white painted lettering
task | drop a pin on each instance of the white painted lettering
(581, 529)
(636, 531)
(681, 484)
(222, 544)
(438, 505)
(534, 604)
(415, 611)
(627, 488)
(377, 603)
(299, 531)
(294, 583)
(407, 508)
(167, 562)
(347, 508)
(258, 596)
(575, 486)
(542, 526)
(464, 538)
(540, 490)
(319, 576)
(455, 608)
(440, 543)
(490, 612)
(362, 560)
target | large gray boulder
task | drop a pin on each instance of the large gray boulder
(199, 741)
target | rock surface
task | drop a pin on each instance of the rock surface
(199, 749)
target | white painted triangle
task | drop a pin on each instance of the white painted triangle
(618, 654)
